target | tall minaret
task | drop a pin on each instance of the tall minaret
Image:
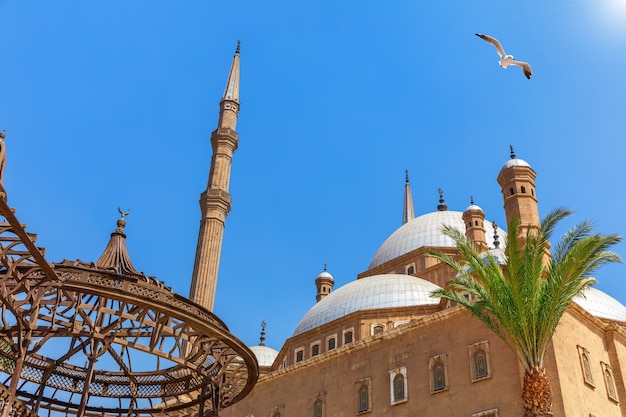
(517, 180)
(215, 202)
(408, 212)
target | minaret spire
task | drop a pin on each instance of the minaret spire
(408, 213)
(215, 202)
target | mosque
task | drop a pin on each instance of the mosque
(381, 345)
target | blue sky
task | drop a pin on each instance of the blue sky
(111, 104)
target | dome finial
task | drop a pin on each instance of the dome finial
(496, 240)
(324, 267)
(238, 48)
(406, 171)
(512, 152)
(442, 206)
(263, 325)
(471, 200)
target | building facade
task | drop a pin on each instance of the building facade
(381, 345)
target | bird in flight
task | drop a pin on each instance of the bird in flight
(506, 60)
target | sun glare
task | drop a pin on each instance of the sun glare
(614, 15)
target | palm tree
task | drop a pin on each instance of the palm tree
(523, 301)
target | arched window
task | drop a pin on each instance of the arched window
(410, 270)
(439, 377)
(299, 356)
(317, 408)
(315, 350)
(480, 364)
(511, 191)
(347, 338)
(364, 398)
(398, 387)
(523, 190)
(610, 384)
(378, 329)
(586, 367)
(332, 342)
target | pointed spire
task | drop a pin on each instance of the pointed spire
(496, 239)
(231, 92)
(263, 324)
(408, 213)
(442, 204)
(115, 255)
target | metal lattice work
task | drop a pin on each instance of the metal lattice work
(81, 340)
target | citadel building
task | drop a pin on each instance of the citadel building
(381, 345)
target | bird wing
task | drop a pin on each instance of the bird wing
(495, 43)
(528, 71)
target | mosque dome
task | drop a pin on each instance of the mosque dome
(601, 305)
(374, 292)
(425, 231)
(265, 356)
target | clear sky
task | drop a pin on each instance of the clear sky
(112, 103)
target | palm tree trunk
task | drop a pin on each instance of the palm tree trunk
(537, 393)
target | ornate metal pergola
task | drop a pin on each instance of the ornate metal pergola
(101, 340)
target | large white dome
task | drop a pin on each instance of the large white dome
(425, 231)
(377, 291)
(601, 305)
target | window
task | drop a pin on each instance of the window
(438, 373)
(377, 329)
(317, 408)
(332, 343)
(317, 404)
(347, 336)
(315, 350)
(609, 381)
(299, 355)
(480, 364)
(487, 413)
(439, 377)
(363, 396)
(585, 365)
(398, 385)
(278, 411)
(479, 361)
(523, 190)
(410, 270)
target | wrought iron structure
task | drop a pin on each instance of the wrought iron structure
(85, 339)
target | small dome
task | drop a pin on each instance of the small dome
(377, 291)
(425, 231)
(601, 305)
(515, 162)
(474, 207)
(265, 356)
(325, 274)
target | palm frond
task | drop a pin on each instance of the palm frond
(523, 301)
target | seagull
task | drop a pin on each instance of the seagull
(506, 60)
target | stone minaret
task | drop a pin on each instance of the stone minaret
(517, 180)
(474, 219)
(324, 283)
(408, 212)
(215, 202)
